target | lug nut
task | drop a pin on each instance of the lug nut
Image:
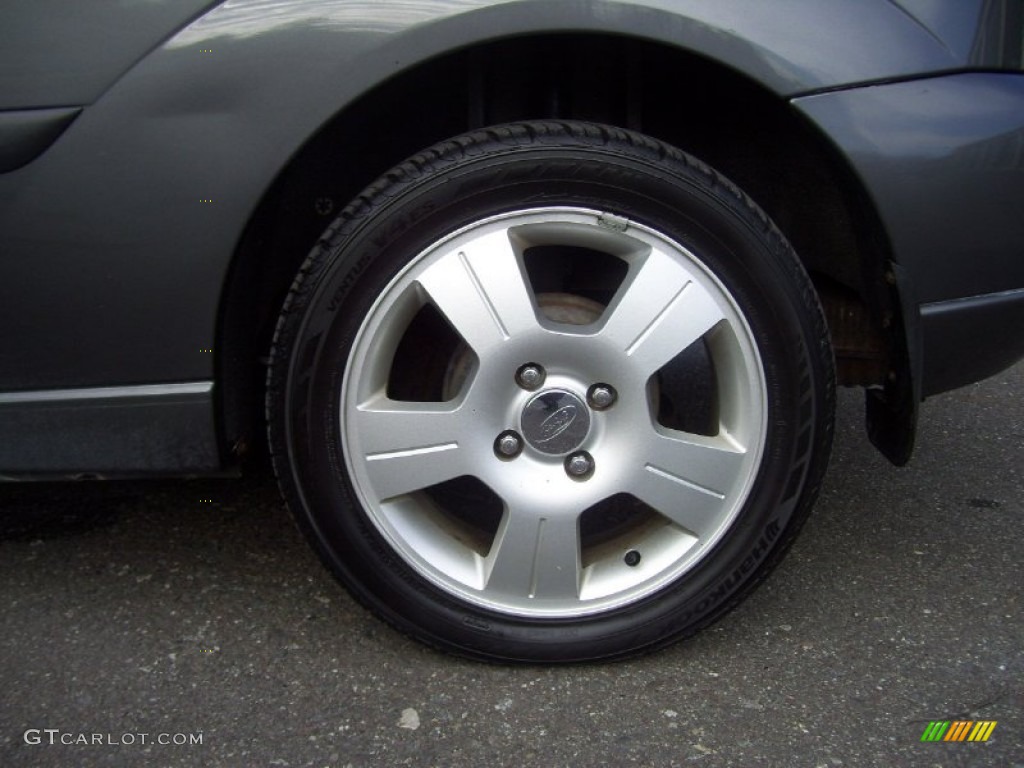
(508, 445)
(632, 558)
(579, 465)
(601, 396)
(530, 376)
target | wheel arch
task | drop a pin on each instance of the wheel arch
(729, 119)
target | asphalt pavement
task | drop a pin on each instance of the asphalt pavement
(186, 623)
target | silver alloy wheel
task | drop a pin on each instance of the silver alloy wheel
(534, 564)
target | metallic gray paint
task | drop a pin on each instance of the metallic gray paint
(953, 353)
(218, 126)
(107, 276)
(984, 33)
(788, 45)
(943, 160)
(25, 134)
(109, 431)
(60, 53)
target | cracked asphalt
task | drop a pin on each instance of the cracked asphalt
(193, 610)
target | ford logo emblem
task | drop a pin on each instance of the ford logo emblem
(556, 422)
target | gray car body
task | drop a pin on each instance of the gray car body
(141, 141)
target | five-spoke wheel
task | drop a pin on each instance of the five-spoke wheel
(582, 470)
(551, 392)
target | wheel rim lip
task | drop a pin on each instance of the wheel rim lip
(374, 506)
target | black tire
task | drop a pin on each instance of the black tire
(367, 314)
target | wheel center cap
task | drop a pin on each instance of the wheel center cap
(555, 422)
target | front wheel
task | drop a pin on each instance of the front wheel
(551, 392)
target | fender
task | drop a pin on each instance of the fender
(216, 111)
(145, 195)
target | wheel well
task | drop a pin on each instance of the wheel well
(712, 112)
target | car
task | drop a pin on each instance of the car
(539, 306)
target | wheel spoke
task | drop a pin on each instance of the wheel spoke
(690, 479)
(659, 312)
(481, 289)
(409, 446)
(536, 556)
